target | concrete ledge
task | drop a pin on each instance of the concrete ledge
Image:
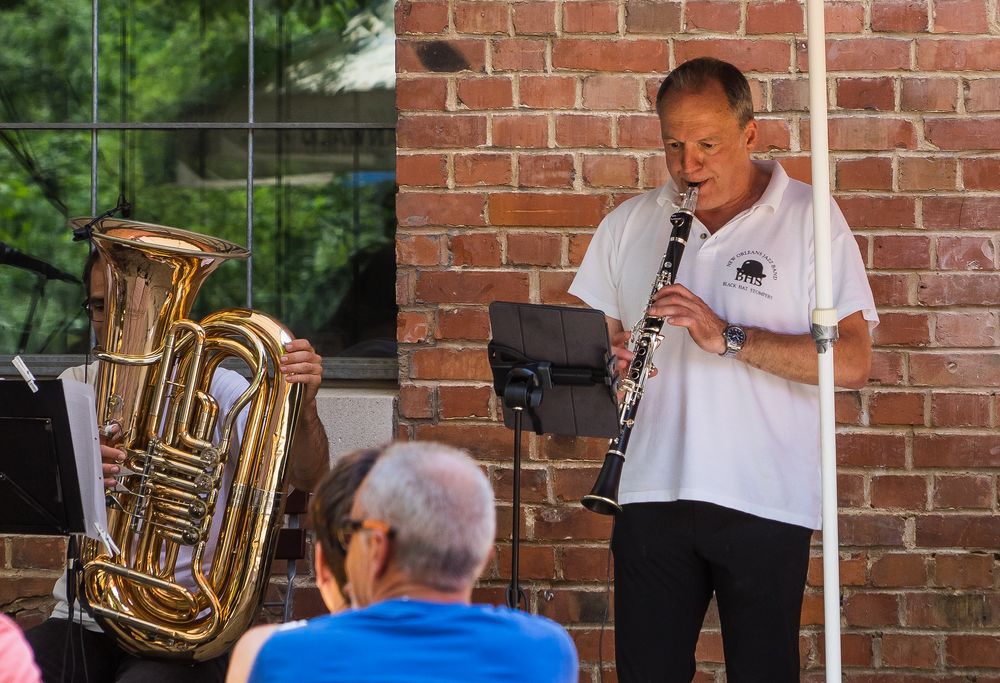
(357, 418)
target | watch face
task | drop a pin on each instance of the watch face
(735, 336)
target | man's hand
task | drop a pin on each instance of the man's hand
(681, 308)
(111, 458)
(302, 365)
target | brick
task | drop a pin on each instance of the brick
(579, 130)
(534, 17)
(981, 54)
(652, 16)
(639, 131)
(545, 170)
(481, 17)
(783, 16)
(475, 249)
(865, 133)
(772, 135)
(441, 131)
(899, 570)
(518, 54)
(521, 131)
(887, 368)
(471, 287)
(927, 173)
(485, 441)
(943, 289)
(870, 529)
(871, 609)
(611, 91)
(959, 611)
(847, 407)
(790, 94)
(448, 363)
(464, 401)
(534, 484)
(797, 168)
(576, 523)
(963, 133)
(654, 171)
(483, 169)
(870, 450)
(442, 56)
(590, 16)
(422, 169)
(966, 329)
(412, 326)
(957, 369)
(878, 212)
(534, 562)
(418, 250)
(844, 17)
(869, 173)
(578, 247)
(960, 16)
(640, 56)
(418, 209)
(716, 17)
(416, 402)
(876, 94)
(421, 17)
(757, 55)
(903, 492)
(553, 288)
(584, 564)
(955, 450)
(909, 16)
(570, 484)
(545, 210)
(37, 552)
(532, 248)
(960, 410)
(416, 94)
(963, 492)
(928, 94)
(903, 329)
(967, 570)
(982, 94)
(462, 323)
(862, 54)
(981, 174)
(978, 651)
(977, 213)
(965, 253)
(902, 252)
(909, 651)
(24, 587)
(547, 92)
(890, 290)
(610, 171)
(485, 93)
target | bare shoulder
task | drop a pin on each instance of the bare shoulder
(245, 652)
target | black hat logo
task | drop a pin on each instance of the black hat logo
(751, 271)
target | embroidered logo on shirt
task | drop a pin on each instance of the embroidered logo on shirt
(753, 271)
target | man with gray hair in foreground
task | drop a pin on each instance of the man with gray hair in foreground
(420, 532)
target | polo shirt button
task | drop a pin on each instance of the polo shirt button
(704, 235)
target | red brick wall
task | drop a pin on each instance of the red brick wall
(522, 123)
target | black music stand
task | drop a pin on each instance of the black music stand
(553, 364)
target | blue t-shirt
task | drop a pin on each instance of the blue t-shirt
(411, 641)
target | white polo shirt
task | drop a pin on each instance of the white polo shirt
(710, 428)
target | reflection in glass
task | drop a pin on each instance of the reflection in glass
(45, 61)
(324, 226)
(44, 179)
(325, 61)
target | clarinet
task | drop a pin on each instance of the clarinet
(646, 337)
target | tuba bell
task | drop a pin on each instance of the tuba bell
(154, 385)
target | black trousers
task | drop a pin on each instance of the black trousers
(669, 560)
(68, 653)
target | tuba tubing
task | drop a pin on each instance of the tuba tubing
(646, 337)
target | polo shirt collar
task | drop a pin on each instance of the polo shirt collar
(669, 195)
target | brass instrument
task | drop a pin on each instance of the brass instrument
(646, 337)
(154, 384)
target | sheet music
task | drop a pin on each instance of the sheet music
(80, 404)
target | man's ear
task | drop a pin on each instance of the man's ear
(381, 554)
(751, 134)
(323, 573)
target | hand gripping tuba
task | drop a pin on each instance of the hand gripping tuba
(154, 383)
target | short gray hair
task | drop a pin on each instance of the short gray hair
(696, 75)
(440, 506)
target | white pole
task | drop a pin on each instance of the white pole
(824, 331)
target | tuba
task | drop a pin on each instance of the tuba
(154, 385)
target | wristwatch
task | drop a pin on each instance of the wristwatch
(735, 337)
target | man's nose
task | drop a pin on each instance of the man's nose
(690, 159)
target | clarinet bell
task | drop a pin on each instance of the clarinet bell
(603, 498)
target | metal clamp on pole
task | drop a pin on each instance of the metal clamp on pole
(824, 328)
